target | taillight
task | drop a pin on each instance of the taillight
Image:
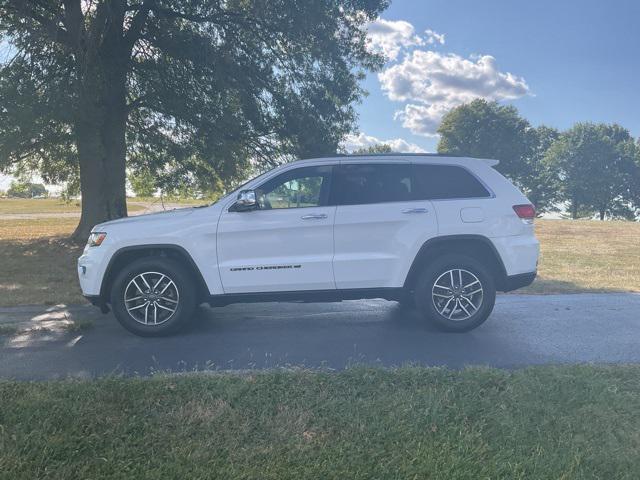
(526, 213)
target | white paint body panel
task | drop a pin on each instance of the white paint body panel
(359, 246)
(375, 244)
(276, 250)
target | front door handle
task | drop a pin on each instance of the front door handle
(415, 210)
(314, 216)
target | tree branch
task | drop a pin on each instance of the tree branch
(50, 27)
(139, 19)
(74, 21)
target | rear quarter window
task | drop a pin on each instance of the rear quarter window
(437, 182)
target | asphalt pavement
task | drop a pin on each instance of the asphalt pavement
(523, 330)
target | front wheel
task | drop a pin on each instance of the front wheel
(456, 292)
(153, 297)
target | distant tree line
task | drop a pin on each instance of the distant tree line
(590, 169)
(26, 189)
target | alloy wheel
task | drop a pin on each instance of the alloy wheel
(151, 298)
(457, 294)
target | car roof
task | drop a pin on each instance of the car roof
(402, 158)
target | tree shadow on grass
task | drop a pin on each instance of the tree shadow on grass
(39, 271)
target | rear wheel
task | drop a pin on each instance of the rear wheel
(456, 292)
(153, 297)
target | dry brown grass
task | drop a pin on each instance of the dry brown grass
(587, 256)
(38, 266)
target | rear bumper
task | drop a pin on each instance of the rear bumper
(519, 253)
(513, 282)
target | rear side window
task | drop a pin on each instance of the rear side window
(361, 184)
(437, 182)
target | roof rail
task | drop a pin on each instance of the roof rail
(397, 154)
(488, 161)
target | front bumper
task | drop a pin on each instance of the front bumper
(98, 301)
(91, 268)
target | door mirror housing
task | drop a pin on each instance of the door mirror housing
(247, 200)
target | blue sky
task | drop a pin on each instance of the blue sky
(558, 62)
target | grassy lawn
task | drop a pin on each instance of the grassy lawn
(587, 256)
(546, 422)
(39, 266)
(45, 205)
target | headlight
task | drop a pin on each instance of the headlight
(96, 239)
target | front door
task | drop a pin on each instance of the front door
(287, 243)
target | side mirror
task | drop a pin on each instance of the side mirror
(246, 201)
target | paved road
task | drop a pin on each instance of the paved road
(523, 330)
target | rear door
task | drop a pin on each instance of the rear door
(379, 227)
(287, 243)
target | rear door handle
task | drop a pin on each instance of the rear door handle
(314, 216)
(415, 210)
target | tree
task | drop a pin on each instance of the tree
(143, 184)
(540, 182)
(485, 129)
(373, 149)
(596, 163)
(21, 189)
(186, 89)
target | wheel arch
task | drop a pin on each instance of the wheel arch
(125, 255)
(477, 246)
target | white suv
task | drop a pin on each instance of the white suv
(435, 232)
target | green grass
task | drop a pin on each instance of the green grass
(37, 205)
(45, 205)
(37, 264)
(547, 422)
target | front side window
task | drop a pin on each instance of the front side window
(362, 184)
(437, 182)
(298, 188)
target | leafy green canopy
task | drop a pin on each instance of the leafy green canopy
(590, 167)
(210, 85)
(599, 167)
(485, 129)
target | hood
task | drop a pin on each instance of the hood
(149, 217)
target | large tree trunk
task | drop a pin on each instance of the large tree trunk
(102, 57)
(100, 138)
(574, 209)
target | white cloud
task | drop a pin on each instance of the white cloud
(434, 37)
(391, 36)
(356, 141)
(432, 83)
(422, 119)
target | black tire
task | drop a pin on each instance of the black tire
(468, 318)
(184, 301)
